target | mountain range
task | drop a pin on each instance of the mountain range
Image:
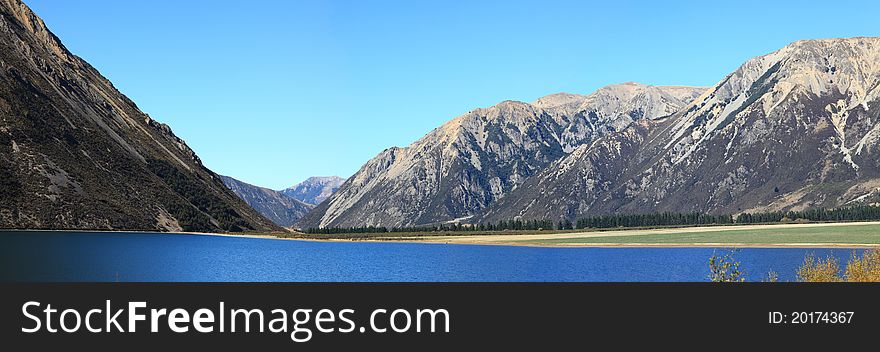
(472, 161)
(274, 205)
(795, 129)
(285, 207)
(792, 130)
(314, 190)
(75, 153)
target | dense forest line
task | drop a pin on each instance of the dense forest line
(854, 213)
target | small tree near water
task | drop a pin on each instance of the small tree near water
(725, 268)
(819, 270)
(864, 268)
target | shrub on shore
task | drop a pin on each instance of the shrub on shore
(864, 268)
(819, 270)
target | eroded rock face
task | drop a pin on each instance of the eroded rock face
(790, 130)
(472, 161)
(77, 154)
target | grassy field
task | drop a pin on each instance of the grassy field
(786, 234)
(765, 235)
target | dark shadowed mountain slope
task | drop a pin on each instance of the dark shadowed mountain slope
(77, 154)
(475, 159)
(795, 129)
(281, 209)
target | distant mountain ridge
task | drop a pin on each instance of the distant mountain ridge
(75, 153)
(314, 190)
(281, 209)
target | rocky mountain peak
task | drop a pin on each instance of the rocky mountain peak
(626, 99)
(314, 190)
(323, 180)
(559, 99)
(846, 69)
(651, 101)
(35, 25)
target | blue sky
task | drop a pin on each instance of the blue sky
(272, 92)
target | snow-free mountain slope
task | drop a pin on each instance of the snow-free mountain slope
(281, 209)
(794, 129)
(75, 153)
(473, 160)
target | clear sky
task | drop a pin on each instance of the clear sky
(272, 92)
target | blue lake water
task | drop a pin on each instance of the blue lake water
(77, 256)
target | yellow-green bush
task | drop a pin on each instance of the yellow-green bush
(819, 270)
(864, 269)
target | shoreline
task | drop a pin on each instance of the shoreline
(532, 239)
(243, 235)
(666, 245)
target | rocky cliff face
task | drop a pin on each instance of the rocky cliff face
(314, 190)
(77, 154)
(472, 161)
(794, 129)
(281, 209)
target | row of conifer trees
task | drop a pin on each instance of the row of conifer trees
(853, 213)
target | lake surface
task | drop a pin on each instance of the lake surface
(78, 256)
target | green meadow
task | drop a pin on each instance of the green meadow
(769, 235)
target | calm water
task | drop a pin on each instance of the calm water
(39, 256)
